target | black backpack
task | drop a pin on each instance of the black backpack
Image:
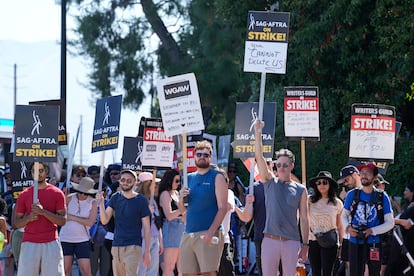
(377, 197)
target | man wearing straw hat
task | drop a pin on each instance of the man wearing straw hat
(41, 253)
(132, 214)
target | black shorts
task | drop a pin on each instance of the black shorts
(78, 249)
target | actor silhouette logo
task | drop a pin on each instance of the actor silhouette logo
(139, 153)
(36, 123)
(254, 118)
(23, 170)
(106, 115)
(252, 22)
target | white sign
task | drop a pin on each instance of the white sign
(301, 110)
(266, 42)
(372, 132)
(180, 104)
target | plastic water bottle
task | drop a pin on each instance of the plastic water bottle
(214, 239)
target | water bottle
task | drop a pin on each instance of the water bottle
(214, 239)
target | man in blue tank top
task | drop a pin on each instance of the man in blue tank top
(202, 242)
(284, 200)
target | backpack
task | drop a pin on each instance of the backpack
(376, 197)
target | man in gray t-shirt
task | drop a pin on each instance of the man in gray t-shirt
(284, 199)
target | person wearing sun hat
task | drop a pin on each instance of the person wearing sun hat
(364, 224)
(324, 215)
(74, 235)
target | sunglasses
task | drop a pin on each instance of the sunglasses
(114, 173)
(232, 171)
(128, 181)
(40, 171)
(284, 165)
(177, 181)
(203, 154)
(82, 193)
(322, 181)
(80, 175)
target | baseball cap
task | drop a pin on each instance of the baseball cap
(93, 170)
(369, 166)
(346, 171)
(131, 172)
(114, 167)
(146, 176)
(381, 179)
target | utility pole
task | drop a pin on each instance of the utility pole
(63, 53)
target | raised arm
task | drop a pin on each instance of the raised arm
(265, 175)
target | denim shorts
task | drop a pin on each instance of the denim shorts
(172, 231)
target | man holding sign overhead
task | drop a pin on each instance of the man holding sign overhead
(202, 242)
(284, 198)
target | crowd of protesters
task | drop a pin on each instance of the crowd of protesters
(138, 224)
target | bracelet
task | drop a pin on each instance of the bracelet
(305, 244)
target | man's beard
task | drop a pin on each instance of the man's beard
(365, 183)
(127, 188)
(202, 164)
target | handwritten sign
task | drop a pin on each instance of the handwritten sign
(301, 110)
(372, 132)
(267, 42)
(180, 104)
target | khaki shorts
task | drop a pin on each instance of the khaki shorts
(196, 256)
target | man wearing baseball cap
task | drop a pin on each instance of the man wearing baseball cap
(132, 215)
(362, 221)
(350, 178)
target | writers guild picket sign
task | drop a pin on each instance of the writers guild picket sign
(158, 150)
(301, 112)
(244, 140)
(106, 127)
(372, 132)
(36, 133)
(266, 42)
(180, 104)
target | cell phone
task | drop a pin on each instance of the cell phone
(411, 222)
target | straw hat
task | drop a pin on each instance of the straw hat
(85, 186)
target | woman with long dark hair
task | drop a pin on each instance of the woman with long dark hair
(324, 215)
(173, 221)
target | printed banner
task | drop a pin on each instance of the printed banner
(372, 132)
(21, 177)
(244, 140)
(132, 153)
(267, 42)
(62, 138)
(106, 127)
(158, 150)
(192, 139)
(36, 133)
(213, 141)
(301, 110)
(180, 104)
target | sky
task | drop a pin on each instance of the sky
(29, 38)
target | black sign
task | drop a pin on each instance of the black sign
(36, 133)
(132, 153)
(21, 177)
(62, 138)
(244, 140)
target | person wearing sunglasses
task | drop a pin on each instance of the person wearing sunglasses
(202, 242)
(132, 216)
(173, 221)
(40, 248)
(74, 235)
(284, 199)
(324, 215)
